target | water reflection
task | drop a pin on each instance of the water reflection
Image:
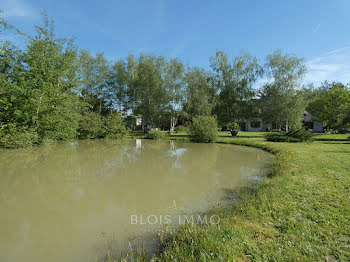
(63, 202)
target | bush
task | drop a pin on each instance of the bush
(291, 136)
(91, 126)
(59, 123)
(181, 129)
(154, 134)
(204, 129)
(234, 128)
(11, 137)
(115, 127)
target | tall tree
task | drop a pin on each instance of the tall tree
(101, 70)
(13, 100)
(117, 85)
(282, 103)
(150, 89)
(175, 90)
(93, 74)
(50, 78)
(235, 83)
(14, 106)
(131, 65)
(200, 93)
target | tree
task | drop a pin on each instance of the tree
(49, 81)
(131, 65)
(333, 105)
(281, 100)
(115, 127)
(200, 93)
(91, 126)
(101, 70)
(175, 90)
(37, 83)
(204, 129)
(235, 83)
(13, 100)
(117, 83)
(93, 75)
(151, 96)
(14, 106)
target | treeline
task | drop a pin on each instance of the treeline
(51, 90)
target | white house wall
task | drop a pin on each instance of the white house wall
(317, 127)
(262, 127)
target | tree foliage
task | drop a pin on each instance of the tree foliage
(204, 129)
(37, 84)
(114, 126)
(282, 102)
(91, 126)
(332, 105)
(200, 93)
(234, 81)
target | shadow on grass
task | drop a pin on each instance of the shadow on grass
(172, 136)
(341, 152)
(238, 136)
(250, 136)
(339, 143)
(332, 139)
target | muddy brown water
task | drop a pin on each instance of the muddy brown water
(74, 201)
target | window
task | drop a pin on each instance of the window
(255, 124)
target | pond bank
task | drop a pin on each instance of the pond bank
(301, 213)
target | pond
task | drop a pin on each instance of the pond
(74, 201)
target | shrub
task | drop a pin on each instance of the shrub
(275, 130)
(91, 126)
(181, 129)
(204, 129)
(11, 137)
(234, 128)
(59, 123)
(154, 134)
(291, 136)
(115, 127)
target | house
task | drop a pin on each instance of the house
(257, 124)
(311, 123)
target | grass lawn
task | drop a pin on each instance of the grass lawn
(301, 212)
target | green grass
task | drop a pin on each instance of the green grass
(300, 213)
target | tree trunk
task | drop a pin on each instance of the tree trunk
(38, 109)
(172, 125)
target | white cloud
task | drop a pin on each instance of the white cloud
(331, 66)
(18, 9)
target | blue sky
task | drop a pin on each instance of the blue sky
(318, 30)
